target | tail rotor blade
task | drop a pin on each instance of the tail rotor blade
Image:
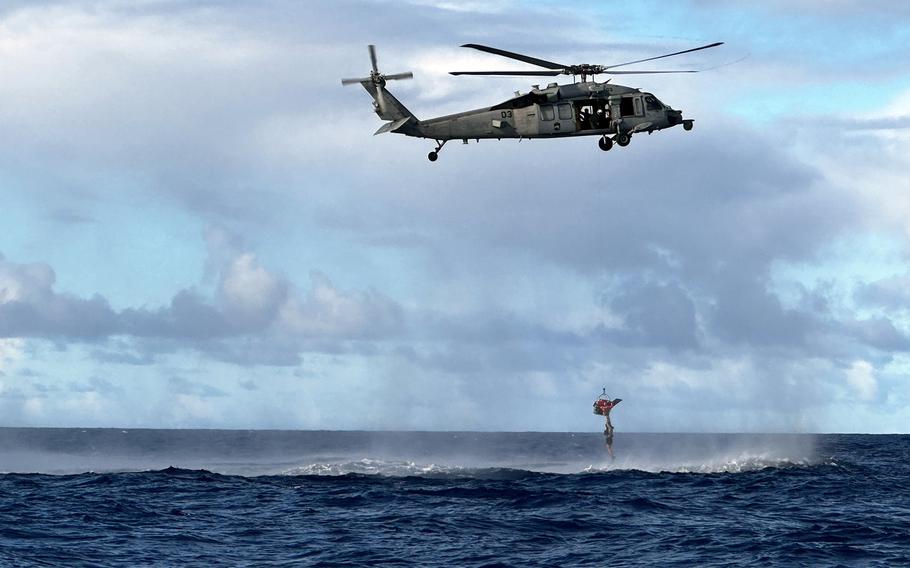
(373, 58)
(380, 98)
(407, 75)
(354, 81)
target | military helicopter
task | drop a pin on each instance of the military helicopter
(583, 108)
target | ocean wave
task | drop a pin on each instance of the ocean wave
(392, 468)
(732, 464)
(384, 468)
(368, 467)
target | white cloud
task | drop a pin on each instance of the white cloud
(861, 378)
(250, 292)
(11, 350)
(24, 282)
(487, 7)
(256, 315)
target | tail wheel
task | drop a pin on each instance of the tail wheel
(605, 143)
(432, 156)
(623, 139)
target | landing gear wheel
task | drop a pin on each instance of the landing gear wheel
(432, 156)
(605, 143)
(623, 139)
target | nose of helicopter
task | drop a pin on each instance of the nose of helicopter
(674, 117)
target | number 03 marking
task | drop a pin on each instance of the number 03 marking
(506, 114)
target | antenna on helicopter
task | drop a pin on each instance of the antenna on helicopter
(378, 81)
(585, 70)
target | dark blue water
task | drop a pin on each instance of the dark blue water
(206, 498)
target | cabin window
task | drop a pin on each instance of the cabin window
(652, 103)
(520, 102)
(565, 112)
(625, 107)
(546, 112)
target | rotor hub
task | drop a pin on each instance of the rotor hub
(586, 69)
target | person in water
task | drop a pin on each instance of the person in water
(608, 433)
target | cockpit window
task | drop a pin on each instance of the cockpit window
(652, 103)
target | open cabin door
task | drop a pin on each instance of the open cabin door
(628, 106)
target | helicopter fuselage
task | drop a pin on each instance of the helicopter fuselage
(578, 109)
(613, 112)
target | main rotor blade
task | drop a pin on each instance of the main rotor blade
(667, 55)
(355, 81)
(509, 73)
(373, 58)
(518, 56)
(407, 75)
(643, 72)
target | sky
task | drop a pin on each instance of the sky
(198, 228)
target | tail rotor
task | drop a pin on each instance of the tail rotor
(377, 81)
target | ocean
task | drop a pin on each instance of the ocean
(111, 497)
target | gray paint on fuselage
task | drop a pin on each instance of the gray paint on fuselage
(502, 121)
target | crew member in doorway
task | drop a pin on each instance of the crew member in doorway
(587, 120)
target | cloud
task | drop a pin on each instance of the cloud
(10, 352)
(30, 307)
(533, 271)
(861, 378)
(182, 386)
(884, 123)
(891, 293)
(98, 385)
(880, 333)
(255, 317)
(655, 315)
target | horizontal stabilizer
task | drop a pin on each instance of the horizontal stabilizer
(392, 126)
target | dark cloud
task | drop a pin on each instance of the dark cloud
(746, 312)
(880, 334)
(66, 216)
(52, 316)
(96, 384)
(688, 249)
(890, 293)
(884, 123)
(655, 315)
(30, 307)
